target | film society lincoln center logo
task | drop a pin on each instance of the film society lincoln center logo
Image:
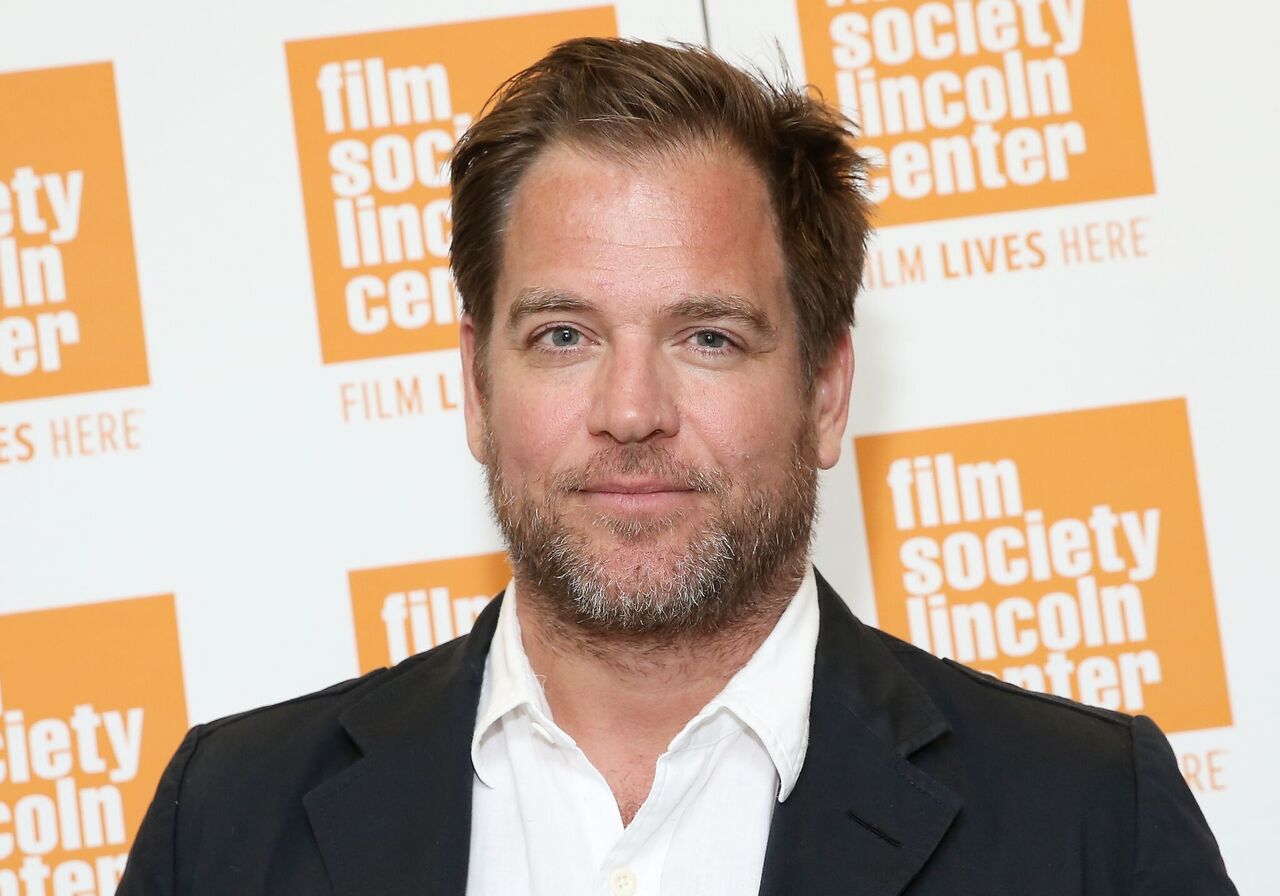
(969, 107)
(70, 319)
(1063, 553)
(406, 609)
(376, 118)
(91, 708)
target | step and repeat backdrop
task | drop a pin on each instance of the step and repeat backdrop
(232, 464)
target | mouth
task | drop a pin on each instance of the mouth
(637, 495)
(634, 487)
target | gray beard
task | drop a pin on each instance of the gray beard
(751, 553)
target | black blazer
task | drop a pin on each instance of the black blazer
(922, 777)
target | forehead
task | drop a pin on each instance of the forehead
(638, 233)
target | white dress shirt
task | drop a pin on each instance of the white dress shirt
(545, 823)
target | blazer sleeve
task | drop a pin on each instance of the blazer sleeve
(153, 861)
(1176, 853)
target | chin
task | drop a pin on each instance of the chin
(633, 529)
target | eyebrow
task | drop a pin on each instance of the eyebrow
(718, 306)
(712, 306)
(539, 300)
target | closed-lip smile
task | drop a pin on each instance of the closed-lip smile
(642, 496)
(634, 487)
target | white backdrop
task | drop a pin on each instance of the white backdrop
(250, 499)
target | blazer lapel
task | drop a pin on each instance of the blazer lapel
(862, 819)
(397, 822)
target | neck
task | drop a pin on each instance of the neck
(623, 697)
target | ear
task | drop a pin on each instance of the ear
(832, 384)
(473, 398)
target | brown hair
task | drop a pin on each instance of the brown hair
(628, 97)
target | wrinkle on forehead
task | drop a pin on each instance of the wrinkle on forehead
(627, 208)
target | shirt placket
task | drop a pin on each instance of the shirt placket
(635, 864)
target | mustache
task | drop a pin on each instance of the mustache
(640, 461)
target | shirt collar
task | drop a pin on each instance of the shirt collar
(509, 682)
(770, 695)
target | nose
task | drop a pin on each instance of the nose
(633, 398)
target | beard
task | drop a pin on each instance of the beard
(644, 579)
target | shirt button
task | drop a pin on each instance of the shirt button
(622, 882)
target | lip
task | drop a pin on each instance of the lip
(636, 496)
(635, 487)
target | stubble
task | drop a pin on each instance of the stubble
(644, 579)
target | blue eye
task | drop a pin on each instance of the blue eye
(564, 337)
(710, 339)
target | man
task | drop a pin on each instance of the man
(658, 256)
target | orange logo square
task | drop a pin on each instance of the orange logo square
(403, 610)
(91, 708)
(376, 117)
(70, 317)
(1063, 553)
(969, 107)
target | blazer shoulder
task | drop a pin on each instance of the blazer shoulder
(237, 785)
(321, 702)
(1116, 771)
(977, 702)
(303, 735)
(1059, 767)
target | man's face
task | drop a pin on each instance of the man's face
(650, 441)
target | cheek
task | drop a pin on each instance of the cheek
(745, 427)
(535, 423)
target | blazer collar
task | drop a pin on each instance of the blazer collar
(862, 818)
(398, 820)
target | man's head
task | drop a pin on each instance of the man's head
(658, 256)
